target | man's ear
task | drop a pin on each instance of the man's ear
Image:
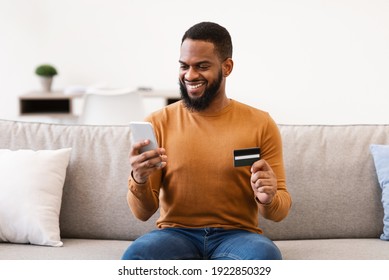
(227, 65)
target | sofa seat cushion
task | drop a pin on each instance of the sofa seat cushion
(93, 249)
(72, 249)
(334, 249)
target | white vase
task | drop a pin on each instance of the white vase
(46, 83)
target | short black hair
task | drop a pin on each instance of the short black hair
(213, 33)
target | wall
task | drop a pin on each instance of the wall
(304, 61)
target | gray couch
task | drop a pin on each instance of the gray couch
(336, 212)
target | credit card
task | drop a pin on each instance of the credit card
(246, 157)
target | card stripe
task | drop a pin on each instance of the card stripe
(247, 157)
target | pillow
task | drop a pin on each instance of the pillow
(381, 161)
(31, 184)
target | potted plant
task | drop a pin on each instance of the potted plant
(46, 72)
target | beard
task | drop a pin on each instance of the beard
(201, 103)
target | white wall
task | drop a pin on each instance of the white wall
(304, 61)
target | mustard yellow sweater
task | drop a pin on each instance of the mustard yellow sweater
(200, 187)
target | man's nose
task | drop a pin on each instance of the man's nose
(191, 74)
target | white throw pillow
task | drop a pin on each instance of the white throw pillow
(31, 184)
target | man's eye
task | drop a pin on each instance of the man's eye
(183, 66)
(203, 67)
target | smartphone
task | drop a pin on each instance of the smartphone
(141, 131)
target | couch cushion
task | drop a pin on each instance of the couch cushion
(331, 177)
(72, 249)
(334, 249)
(89, 249)
(94, 201)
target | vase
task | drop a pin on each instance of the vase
(46, 83)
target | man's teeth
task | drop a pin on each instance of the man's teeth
(194, 86)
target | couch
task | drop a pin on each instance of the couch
(337, 211)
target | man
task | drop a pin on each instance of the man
(208, 208)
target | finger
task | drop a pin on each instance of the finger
(138, 145)
(156, 162)
(265, 190)
(265, 174)
(262, 189)
(149, 155)
(161, 151)
(148, 164)
(260, 165)
(262, 175)
(263, 183)
(258, 184)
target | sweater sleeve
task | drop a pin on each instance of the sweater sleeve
(278, 209)
(142, 198)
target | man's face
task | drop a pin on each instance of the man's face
(200, 74)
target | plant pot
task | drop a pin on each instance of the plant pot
(46, 83)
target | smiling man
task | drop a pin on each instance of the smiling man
(219, 167)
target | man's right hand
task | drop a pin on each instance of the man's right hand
(146, 163)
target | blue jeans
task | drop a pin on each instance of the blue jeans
(204, 243)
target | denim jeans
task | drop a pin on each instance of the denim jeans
(204, 243)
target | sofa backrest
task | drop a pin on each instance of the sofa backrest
(332, 180)
(330, 175)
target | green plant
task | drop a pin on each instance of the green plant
(46, 70)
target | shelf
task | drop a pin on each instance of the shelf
(45, 106)
(42, 104)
